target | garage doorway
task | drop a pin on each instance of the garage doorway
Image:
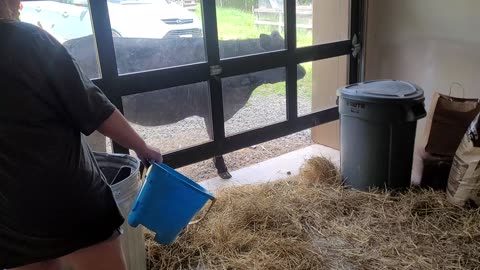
(188, 76)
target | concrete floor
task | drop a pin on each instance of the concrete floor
(273, 169)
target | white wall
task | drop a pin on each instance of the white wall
(429, 42)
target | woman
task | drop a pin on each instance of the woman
(55, 209)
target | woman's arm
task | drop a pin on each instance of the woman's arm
(118, 129)
(82, 104)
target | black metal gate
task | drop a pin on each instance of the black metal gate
(215, 68)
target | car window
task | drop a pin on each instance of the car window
(83, 3)
(78, 2)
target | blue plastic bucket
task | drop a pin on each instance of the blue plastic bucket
(167, 202)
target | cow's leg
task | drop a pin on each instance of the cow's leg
(218, 161)
(222, 169)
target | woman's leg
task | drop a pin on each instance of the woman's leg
(107, 255)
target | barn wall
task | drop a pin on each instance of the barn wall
(430, 42)
(330, 22)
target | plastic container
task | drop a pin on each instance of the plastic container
(378, 121)
(167, 203)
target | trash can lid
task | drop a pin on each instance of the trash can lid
(382, 90)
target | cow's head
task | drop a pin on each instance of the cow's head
(273, 42)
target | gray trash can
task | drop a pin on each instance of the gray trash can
(378, 121)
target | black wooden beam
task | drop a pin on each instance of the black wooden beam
(291, 80)
(213, 58)
(205, 151)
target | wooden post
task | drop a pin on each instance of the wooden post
(97, 142)
(330, 23)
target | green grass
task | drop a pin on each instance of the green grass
(238, 24)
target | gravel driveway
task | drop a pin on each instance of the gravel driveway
(260, 111)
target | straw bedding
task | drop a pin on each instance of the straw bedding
(312, 222)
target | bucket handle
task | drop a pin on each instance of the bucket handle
(206, 213)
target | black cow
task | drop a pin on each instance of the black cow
(167, 107)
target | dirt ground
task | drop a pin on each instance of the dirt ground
(259, 111)
(248, 156)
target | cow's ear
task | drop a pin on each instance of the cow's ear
(265, 41)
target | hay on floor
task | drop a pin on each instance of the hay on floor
(312, 223)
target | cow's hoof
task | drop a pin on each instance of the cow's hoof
(225, 175)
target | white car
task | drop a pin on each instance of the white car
(69, 19)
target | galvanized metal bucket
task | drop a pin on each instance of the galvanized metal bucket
(123, 176)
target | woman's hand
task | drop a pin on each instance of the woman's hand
(148, 154)
(118, 129)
